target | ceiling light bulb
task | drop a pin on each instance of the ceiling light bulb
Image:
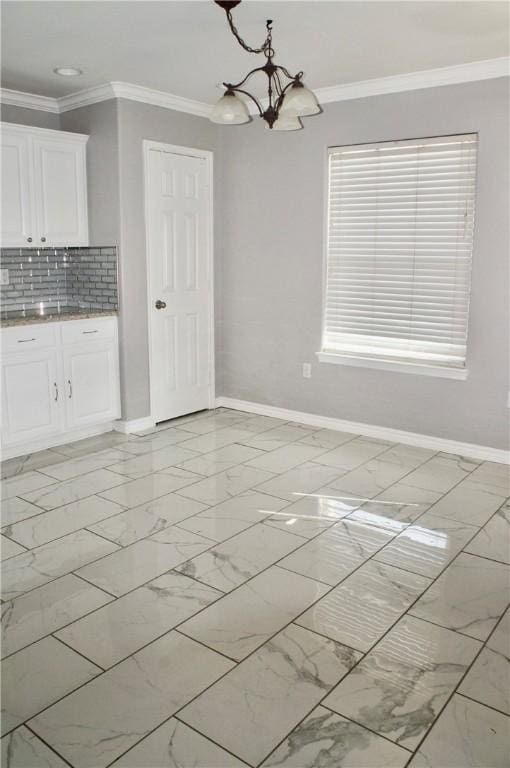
(300, 101)
(230, 110)
(68, 71)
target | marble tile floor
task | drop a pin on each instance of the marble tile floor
(229, 590)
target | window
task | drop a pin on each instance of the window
(399, 247)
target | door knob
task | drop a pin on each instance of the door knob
(160, 304)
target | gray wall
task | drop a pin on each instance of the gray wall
(137, 122)
(269, 207)
(270, 268)
(33, 117)
(100, 122)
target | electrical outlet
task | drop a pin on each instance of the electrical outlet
(4, 277)
(307, 371)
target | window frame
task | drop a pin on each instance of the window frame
(380, 363)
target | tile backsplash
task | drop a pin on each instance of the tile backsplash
(57, 277)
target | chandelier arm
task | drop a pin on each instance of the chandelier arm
(286, 72)
(233, 29)
(242, 82)
(278, 85)
(240, 90)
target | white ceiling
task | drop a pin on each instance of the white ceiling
(185, 48)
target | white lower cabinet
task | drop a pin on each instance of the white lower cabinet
(90, 373)
(31, 407)
(58, 379)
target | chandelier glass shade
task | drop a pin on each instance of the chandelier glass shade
(299, 101)
(287, 98)
(230, 110)
(286, 123)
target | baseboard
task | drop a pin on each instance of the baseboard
(471, 450)
(23, 449)
(136, 425)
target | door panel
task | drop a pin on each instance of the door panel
(91, 381)
(178, 212)
(17, 209)
(60, 193)
(170, 345)
(169, 248)
(31, 396)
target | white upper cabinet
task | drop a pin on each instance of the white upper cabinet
(60, 191)
(17, 224)
(44, 188)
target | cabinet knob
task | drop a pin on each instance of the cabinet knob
(29, 239)
(43, 239)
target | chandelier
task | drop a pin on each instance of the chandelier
(287, 98)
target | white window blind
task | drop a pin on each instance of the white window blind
(400, 238)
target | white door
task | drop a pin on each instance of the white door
(17, 209)
(32, 396)
(60, 192)
(180, 283)
(91, 384)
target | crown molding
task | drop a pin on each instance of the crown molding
(160, 99)
(119, 90)
(28, 100)
(114, 90)
(85, 97)
(429, 78)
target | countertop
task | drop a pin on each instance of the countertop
(51, 315)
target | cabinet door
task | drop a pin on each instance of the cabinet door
(92, 383)
(17, 209)
(60, 192)
(31, 396)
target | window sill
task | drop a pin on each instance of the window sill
(389, 365)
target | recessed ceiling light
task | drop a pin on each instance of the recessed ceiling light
(68, 71)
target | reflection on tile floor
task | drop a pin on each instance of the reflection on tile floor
(232, 591)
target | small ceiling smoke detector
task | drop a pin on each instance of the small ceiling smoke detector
(68, 71)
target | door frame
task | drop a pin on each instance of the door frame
(201, 154)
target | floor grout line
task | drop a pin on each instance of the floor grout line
(91, 584)
(79, 653)
(46, 744)
(365, 727)
(179, 631)
(69, 533)
(482, 703)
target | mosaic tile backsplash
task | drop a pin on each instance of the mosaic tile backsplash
(59, 277)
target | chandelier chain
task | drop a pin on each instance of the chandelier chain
(266, 45)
